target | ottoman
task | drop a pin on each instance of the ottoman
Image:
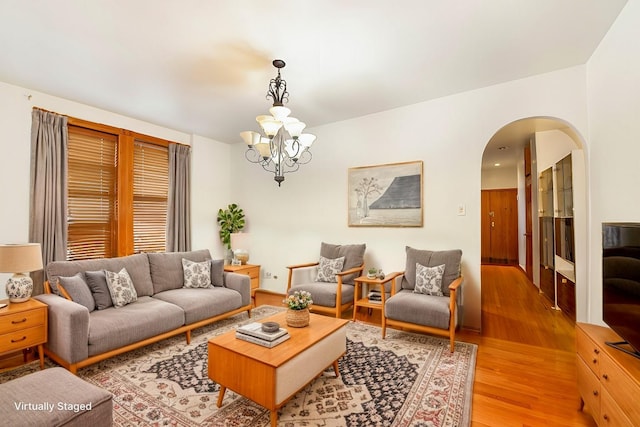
(54, 397)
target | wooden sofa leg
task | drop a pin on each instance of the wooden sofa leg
(188, 335)
(451, 342)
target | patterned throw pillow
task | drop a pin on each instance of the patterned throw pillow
(121, 288)
(429, 280)
(196, 274)
(328, 268)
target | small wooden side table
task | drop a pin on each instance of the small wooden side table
(251, 270)
(23, 325)
(359, 301)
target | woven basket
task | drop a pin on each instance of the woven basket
(298, 318)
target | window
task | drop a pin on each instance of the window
(91, 194)
(118, 184)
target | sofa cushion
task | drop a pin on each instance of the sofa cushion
(328, 268)
(406, 306)
(55, 385)
(121, 288)
(200, 304)
(429, 280)
(353, 256)
(97, 282)
(147, 317)
(324, 294)
(137, 266)
(166, 268)
(78, 290)
(451, 260)
(196, 274)
(217, 272)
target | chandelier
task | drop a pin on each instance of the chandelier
(283, 147)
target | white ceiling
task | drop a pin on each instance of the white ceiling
(202, 66)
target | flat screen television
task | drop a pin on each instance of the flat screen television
(621, 283)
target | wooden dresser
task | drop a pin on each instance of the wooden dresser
(608, 379)
(23, 325)
(251, 270)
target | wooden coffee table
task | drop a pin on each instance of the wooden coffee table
(271, 376)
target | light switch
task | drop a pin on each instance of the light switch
(462, 210)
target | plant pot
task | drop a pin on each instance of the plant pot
(298, 318)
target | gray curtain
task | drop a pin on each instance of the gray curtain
(48, 201)
(179, 205)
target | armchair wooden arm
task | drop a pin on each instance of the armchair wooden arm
(293, 267)
(351, 271)
(393, 276)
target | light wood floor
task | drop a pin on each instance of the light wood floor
(525, 369)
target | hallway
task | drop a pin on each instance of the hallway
(526, 372)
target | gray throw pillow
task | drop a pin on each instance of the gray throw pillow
(121, 288)
(217, 272)
(78, 290)
(97, 282)
(328, 268)
(429, 280)
(196, 274)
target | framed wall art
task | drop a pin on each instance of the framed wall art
(388, 195)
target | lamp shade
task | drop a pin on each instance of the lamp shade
(20, 258)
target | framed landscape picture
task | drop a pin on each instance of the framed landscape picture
(388, 195)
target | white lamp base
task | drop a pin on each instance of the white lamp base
(19, 288)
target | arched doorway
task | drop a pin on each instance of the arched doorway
(514, 159)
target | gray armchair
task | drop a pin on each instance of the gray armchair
(428, 296)
(330, 281)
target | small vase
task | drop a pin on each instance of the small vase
(298, 318)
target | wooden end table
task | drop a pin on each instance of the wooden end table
(271, 376)
(23, 325)
(359, 301)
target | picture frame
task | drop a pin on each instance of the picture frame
(387, 195)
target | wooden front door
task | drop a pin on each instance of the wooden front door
(499, 226)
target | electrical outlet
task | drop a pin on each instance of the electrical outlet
(267, 275)
(462, 210)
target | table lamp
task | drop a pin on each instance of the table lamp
(240, 246)
(20, 259)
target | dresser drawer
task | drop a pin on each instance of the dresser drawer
(611, 415)
(622, 388)
(21, 339)
(589, 388)
(588, 351)
(22, 320)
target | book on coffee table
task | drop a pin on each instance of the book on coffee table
(255, 330)
(260, 341)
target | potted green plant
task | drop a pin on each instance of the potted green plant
(372, 273)
(230, 220)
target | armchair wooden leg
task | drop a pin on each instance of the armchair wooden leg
(384, 326)
(451, 341)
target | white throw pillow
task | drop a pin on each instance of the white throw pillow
(196, 274)
(328, 268)
(121, 288)
(429, 280)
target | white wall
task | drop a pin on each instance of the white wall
(499, 178)
(448, 134)
(613, 86)
(210, 167)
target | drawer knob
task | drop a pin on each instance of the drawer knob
(15, 322)
(606, 417)
(596, 351)
(595, 360)
(605, 376)
(595, 392)
(21, 339)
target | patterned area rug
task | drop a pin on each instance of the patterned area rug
(405, 380)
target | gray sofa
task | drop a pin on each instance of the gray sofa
(78, 336)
